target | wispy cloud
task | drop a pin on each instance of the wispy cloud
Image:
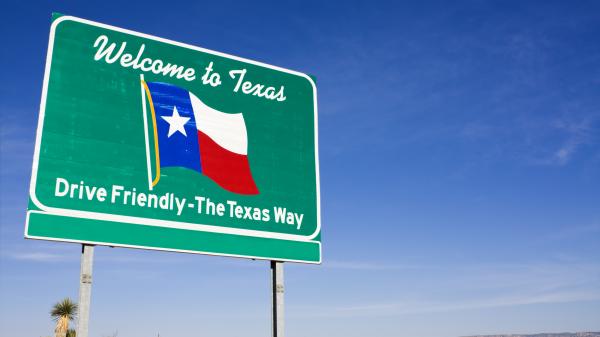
(572, 232)
(407, 307)
(45, 252)
(374, 266)
(55, 256)
(16, 144)
(479, 287)
(576, 133)
(42, 257)
(533, 140)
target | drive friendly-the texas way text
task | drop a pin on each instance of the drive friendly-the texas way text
(118, 194)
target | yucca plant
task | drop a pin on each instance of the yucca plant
(62, 313)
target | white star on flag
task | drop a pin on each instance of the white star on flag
(176, 122)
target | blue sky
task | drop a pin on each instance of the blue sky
(460, 173)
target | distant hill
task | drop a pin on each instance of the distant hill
(560, 334)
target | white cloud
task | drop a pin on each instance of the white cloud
(478, 287)
(366, 265)
(41, 257)
(577, 134)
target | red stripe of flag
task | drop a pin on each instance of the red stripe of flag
(229, 170)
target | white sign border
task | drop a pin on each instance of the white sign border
(100, 243)
(155, 222)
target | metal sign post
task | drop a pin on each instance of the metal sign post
(277, 292)
(85, 289)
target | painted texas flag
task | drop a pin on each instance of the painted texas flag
(190, 134)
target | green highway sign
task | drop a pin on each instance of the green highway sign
(148, 143)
